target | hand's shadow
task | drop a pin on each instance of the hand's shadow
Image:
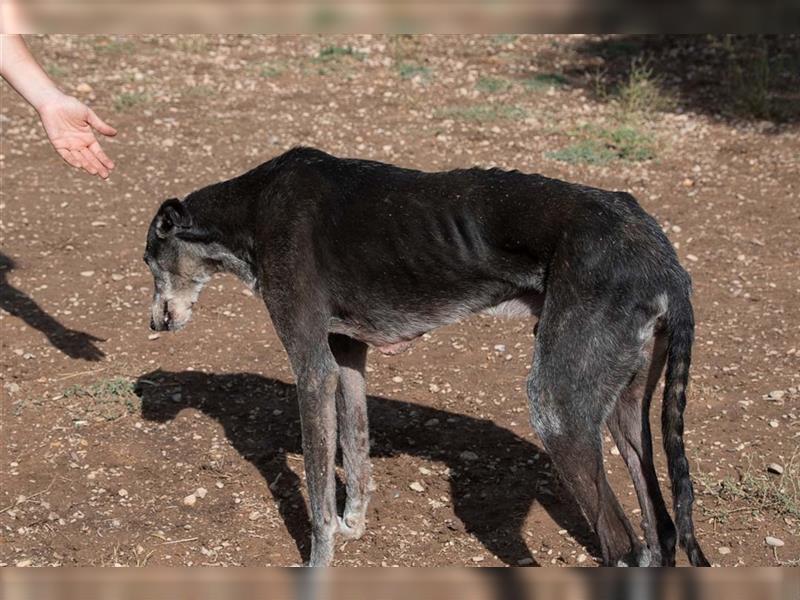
(491, 494)
(75, 344)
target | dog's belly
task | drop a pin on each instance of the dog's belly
(394, 332)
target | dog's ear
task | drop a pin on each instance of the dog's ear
(172, 217)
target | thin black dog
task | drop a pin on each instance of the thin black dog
(350, 253)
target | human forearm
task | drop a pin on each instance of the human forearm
(20, 69)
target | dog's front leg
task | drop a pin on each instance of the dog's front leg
(316, 392)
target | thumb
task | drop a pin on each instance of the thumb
(100, 125)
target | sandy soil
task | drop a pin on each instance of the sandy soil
(106, 430)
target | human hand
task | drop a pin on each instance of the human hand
(69, 123)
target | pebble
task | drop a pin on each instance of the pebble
(477, 559)
(416, 486)
(773, 541)
(397, 379)
(201, 492)
(117, 277)
(774, 423)
(524, 562)
(12, 387)
(775, 468)
(254, 516)
(168, 142)
(724, 550)
(87, 273)
(190, 500)
(153, 336)
(123, 493)
(433, 388)
(581, 558)
(83, 88)
(691, 257)
(25, 562)
(776, 394)
(468, 455)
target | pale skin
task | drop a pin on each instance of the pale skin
(68, 122)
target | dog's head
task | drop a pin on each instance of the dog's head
(176, 255)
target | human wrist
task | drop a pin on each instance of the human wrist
(47, 98)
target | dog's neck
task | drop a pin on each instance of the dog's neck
(223, 208)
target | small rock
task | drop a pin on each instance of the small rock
(477, 559)
(117, 277)
(724, 550)
(190, 500)
(123, 493)
(201, 492)
(773, 541)
(775, 468)
(524, 562)
(12, 387)
(500, 348)
(87, 273)
(581, 558)
(83, 88)
(153, 336)
(397, 379)
(433, 388)
(99, 223)
(416, 486)
(774, 423)
(691, 257)
(168, 142)
(468, 455)
(25, 562)
(776, 394)
(431, 422)
(614, 450)
(219, 485)
(254, 516)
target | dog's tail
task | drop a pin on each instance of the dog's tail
(680, 334)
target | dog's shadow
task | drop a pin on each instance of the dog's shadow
(495, 476)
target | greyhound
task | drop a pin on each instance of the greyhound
(350, 253)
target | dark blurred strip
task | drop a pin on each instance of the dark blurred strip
(402, 16)
(400, 584)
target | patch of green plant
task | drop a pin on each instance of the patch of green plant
(408, 70)
(482, 112)
(501, 39)
(105, 400)
(127, 100)
(760, 491)
(641, 93)
(115, 46)
(55, 70)
(543, 81)
(749, 75)
(492, 85)
(334, 53)
(601, 146)
(270, 70)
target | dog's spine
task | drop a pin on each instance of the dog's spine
(680, 330)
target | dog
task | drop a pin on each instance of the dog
(351, 253)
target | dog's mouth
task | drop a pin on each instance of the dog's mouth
(169, 320)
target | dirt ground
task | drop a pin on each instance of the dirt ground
(124, 448)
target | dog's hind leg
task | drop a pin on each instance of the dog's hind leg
(351, 412)
(630, 426)
(583, 359)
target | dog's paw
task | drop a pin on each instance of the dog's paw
(351, 528)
